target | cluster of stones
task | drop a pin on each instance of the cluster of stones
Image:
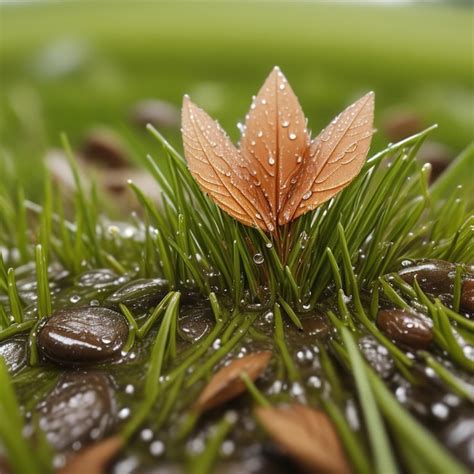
(435, 277)
(81, 408)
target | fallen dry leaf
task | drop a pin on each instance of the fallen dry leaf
(93, 459)
(227, 383)
(279, 173)
(307, 435)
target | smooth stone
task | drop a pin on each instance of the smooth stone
(104, 148)
(405, 327)
(377, 356)
(467, 295)
(194, 324)
(87, 334)
(433, 276)
(139, 294)
(13, 352)
(79, 409)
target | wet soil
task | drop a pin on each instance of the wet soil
(78, 404)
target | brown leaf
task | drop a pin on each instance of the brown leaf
(334, 159)
(93, 459)
(227, 383)
(214, 163)
(278, 174)
(275, 139)
(307, 435)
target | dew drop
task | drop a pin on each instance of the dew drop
(268, 316)
(307, 195)
(271, 161)
(157, 448)
(124, 413)
(292, 136)
(285, 124)
(258, 258)
(146, 434)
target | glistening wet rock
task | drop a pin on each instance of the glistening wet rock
(433, 276)
(139, 294)
(87, 334)
(79, 409)
(467, 294)
(195, 323)
(377, 356)
(13, 352)
(405, 327)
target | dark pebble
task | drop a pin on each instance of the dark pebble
(104, 148)
(79, 409)
(140, 294)
(458, 437)
(467, 295)
(194, 324)
(377, 356)
(157, 112)
(433, 276)
(13, 352)
(405, 327)
(87, 334)
(400, 124)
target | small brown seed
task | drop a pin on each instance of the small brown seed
(405, 327)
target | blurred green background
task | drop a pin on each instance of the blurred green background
(71, 66)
